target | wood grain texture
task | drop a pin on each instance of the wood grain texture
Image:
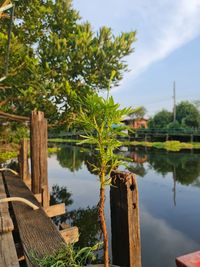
(126, 246)
(39, 154)
(23, 161)
(37, 232)
(70, 235)
(8, 255)
(55, 210)
(13, 117)
(6, 224)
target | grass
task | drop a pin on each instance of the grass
(12, 153)
(68, 256)
(4, 156)
(52, 150)
(168, 145)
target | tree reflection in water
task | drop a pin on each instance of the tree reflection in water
(72, 157)
(184, 165)
(85, 219)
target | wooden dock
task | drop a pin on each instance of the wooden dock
(37, 233)
(8, 255)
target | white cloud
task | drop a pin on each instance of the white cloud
(162, 27)
(167, 25)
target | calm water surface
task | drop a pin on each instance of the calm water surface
(169, 195)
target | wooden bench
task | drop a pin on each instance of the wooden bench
(8, 255)
(38, 234)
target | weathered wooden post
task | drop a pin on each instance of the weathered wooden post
(23, 161)
(126, 245)
(38, 141)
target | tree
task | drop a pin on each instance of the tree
(97, 117)
(139, 112)
(58, 59)
(161, 119)
(187, 114)
(197, 104)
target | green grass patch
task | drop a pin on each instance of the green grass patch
(168, 145)
(12, 153)
(4, 156)
(68, 256)
(52, 150)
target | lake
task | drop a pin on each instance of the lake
(169, 198)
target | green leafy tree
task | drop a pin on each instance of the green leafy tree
(161, 119)
(58, 59)
(139, 112)
(97, 117)
(187, 114)
(174, 125)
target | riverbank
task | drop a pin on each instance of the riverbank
(168, 145)
(11, 151)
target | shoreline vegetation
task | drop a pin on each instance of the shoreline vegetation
(11, 151)
(167, 145)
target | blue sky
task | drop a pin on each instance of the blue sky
(167, 48)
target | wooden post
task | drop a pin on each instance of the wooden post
(23, 161)
(126, 245)
(38, 140)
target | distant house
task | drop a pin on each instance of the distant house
(136, 123)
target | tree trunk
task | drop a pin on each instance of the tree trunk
(103, 226)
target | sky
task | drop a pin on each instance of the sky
(167, 48)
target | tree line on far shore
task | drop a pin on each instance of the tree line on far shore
(187, 116)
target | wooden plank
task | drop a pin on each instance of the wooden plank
(38, 197)
(55, 210)
(37, 232)
(125, 225)
(13, 117)
(4, 8)
(70, 235)
(8, 255)
(6, 224)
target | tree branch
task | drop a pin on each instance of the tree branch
(13, 116)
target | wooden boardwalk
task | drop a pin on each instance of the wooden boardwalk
(38, 234)
(8, 255)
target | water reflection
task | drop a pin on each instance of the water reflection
(185, 167)
(161, 242)
(85, 219)
(72, 157)
(169, 198)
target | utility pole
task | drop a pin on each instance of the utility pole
(174, 97)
